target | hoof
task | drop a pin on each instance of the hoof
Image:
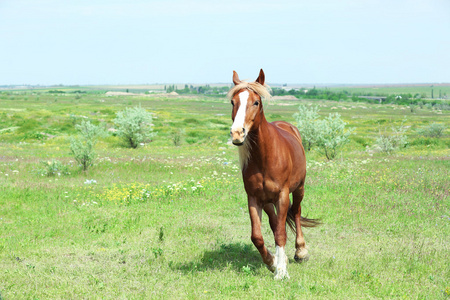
(301, 255)
(271, 264)
(301, 259)
(271, 268)
(281, 274)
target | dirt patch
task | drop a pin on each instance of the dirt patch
(286, 97)
(120, 94)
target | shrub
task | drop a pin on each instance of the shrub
(134, 126)
(177, 136)
(82, 147)
(306, 122)
(390, 142)
(433, 130)
(328, 134)
(52, 168)
(442, 106)
(332, 135)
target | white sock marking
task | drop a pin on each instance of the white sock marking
(281, 261)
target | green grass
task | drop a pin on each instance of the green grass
(165, 221)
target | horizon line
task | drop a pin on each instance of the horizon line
(3, 86)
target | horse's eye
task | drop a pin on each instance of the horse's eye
(256, 103)
(232, 103)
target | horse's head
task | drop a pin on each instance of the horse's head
(247, 106)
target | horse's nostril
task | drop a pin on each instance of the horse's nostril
(243, 130)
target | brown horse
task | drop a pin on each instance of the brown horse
(273, 165)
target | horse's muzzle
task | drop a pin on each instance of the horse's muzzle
(238, 143)
(238, 136)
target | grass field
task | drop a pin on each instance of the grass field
(171, 222)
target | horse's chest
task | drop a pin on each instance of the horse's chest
(262, 187)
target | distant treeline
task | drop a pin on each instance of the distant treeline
(325, 94)
(63, 92)
(313, 93)
(203, 89)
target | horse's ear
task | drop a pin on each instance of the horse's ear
(236, 79)
(260, 78)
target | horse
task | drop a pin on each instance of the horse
(273, 165)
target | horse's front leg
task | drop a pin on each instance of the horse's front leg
(280, 235)
(255, 216)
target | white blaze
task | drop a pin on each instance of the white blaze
(240, 116)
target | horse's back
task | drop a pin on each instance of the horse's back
(291, 135)
(293, 140)
(289, 128)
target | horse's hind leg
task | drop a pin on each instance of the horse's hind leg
(301, 253)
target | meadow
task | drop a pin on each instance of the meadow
(167, 221)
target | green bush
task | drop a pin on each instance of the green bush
(327, 134)
(332, 135)
(52, 168)
(306, 122)
(134, 126)
(433, 130)
(176, 136)
(82, 147)
(390, 142)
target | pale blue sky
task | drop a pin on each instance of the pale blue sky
(203, 41)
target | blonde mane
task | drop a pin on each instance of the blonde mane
(262, 90)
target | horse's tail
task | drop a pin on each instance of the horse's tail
(304, 222)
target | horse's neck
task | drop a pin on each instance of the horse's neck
(256, 145)
(262, 138)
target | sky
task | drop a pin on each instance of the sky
(91, 42)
